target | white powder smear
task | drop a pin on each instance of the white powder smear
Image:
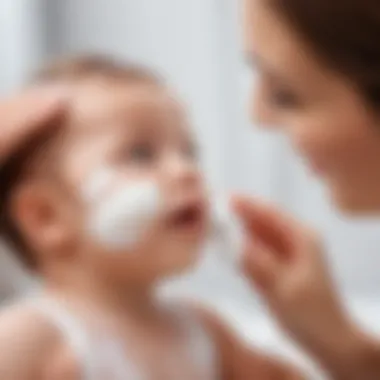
(121, 212)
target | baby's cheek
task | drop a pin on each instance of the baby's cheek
(120, 215)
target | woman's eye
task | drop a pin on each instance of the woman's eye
(284, 99)
(143, 153)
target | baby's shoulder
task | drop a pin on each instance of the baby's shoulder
(29, 345)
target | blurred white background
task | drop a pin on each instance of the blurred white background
(197, 44)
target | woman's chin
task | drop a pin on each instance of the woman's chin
(356, 205)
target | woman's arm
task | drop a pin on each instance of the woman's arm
(285, 261)
(27, 113)
(352, 356)
(237, 361)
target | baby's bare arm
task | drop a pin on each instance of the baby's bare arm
(30, 349)
(240, 362)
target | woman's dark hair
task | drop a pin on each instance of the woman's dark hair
(344, 33)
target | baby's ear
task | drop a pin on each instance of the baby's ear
(39, 211)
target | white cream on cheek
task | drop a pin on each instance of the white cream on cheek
(120, 212)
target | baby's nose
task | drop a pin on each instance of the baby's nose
(182, 172)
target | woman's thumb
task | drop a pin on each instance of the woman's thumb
(245, 208)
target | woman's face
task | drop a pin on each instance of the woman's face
(327, 121)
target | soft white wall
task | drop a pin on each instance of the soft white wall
(21, 41)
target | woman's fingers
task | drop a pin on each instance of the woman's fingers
(265, 223)
(25, 114)
(261, 266)
(278, 231)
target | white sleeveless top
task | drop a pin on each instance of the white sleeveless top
(103, 357)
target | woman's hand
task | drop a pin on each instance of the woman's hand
(285, 261)
(25, 114)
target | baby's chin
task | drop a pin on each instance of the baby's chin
(179, 262)
(155, 265)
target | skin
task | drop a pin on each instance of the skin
(27, 113)
(332, 127)
(143, 132)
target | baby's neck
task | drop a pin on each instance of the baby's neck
(107, 297)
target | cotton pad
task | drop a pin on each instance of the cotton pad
(227, 231)
(121, 212)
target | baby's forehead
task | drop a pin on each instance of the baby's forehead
(101, 106)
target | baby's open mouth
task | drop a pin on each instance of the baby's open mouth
(187, 216)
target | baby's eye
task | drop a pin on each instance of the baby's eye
(143, 153)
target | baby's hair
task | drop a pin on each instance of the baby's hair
(95, 66)
(25, 159)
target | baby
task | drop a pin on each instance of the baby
(103, 207)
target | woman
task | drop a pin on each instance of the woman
(319, 67)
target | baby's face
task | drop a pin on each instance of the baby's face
(140, 132)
